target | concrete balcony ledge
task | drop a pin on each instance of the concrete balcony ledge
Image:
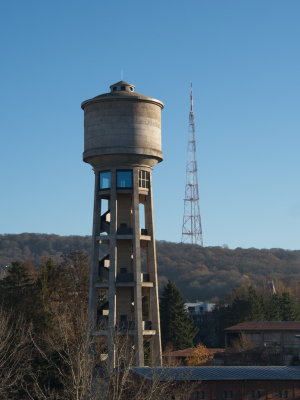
(143, 191)
(149, 332)
(124, 236)
(125, 332)
(127, 280)
(100, 333)
(129, 277)
(147, 284)
(101, 284)
(125, 277)
(146, 238)
(132, 284)
(147, 328)
(103, 238)
(103, 192)
(125, 284)
(125, 190)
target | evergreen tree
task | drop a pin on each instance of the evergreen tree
(177, 328)
(49, 277)
(256, 306)
(249, 306)
(288, 308)
(238, 311)
(273, 308)
(16, 287)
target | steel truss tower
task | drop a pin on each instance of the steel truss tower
(191, 226)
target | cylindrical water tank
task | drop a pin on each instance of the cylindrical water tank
(122, 127)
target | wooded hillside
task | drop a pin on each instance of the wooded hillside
(200, 273)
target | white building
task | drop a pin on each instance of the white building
(200, 307)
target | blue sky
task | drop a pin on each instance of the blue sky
(243, 59)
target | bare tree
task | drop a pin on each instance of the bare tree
(242, 344)
(13, 345)
(73, 363)
(124, 384)
(83, 367)
(241, 352)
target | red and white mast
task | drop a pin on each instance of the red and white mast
(191, 226)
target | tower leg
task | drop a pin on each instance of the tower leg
(138, 311)
(92, 310)
(156, 352)
(112, 316)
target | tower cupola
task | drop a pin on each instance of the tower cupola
(122, 85)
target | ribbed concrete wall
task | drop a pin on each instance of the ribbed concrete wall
(115, 124)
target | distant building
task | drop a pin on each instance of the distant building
(282, 338)
(200, 307)
(204, 319)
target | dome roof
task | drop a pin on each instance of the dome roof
(122, 90)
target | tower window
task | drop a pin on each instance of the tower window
(124, 179)
(105, 180)
(122, 87)
(144, 179)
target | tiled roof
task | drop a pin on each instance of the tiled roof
(218, 373)
(189, 352)
(180, 353)
(266, 326)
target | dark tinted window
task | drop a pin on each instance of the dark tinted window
(124, 179)
(105, 180)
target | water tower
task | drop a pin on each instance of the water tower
(122, 142)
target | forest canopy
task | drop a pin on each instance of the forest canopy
(201, 273)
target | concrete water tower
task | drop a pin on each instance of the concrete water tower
(122, 142)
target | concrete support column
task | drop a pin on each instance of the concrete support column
(138, 310)
(92, 315)
(112, 269)
(156, 351)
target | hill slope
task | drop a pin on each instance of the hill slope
(200, 272)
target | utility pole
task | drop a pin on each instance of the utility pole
(191, 225)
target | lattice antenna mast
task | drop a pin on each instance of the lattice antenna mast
(191, 226)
